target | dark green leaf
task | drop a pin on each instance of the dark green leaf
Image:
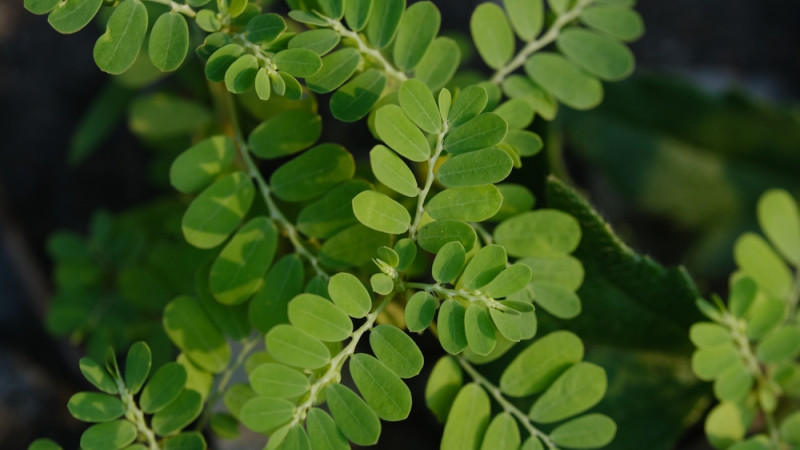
(241, 75)
(162, 116)
(191, 330)
(197, 167)
(221, 59)
(40, 7)
(486, 130)
(357, 12)
(337, 68)
(299, 62)
(217, 211)
(452, 332)
(358, 96)
(283, 282)
(190, 440)
(352, 247)
(137, 366)
(312, 173)
(97, 375)
(95, 407)
(265, 28)
(117, 49)
(164, 387)
(418, 27)
(109, 436)
(285, 134)
(333, 212)
(449, 262)
(439, 63)
(72, 15)
(353, 417)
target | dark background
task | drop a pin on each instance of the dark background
(48, 80)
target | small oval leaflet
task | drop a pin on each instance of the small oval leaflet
(517, 112)
(169, 41)
(319, 41)
(353, 417)
(337, 68)
(492, 35)
(708, 334)
(190, 440)
(589, 431)
(293, 346)
(396, 350)
(358, 96)
(543, 232)
(443, 385)
(390, 170)
(323, 433)
(299, 62)
(137, 366)
(780, 219)
(191, 330)
(557, 299)
(238, 271)
(502, 434)
(284, 280)
(509, 281)
(575, 391)
(382, 389)
(485, 130)
(526, 16)
(265, 28)
(484, 266)
(765, 316)
(39, 7)
(384, 21)
(733, 384)
(356, 13)
(97, 375)
(416, 100)
(221, 59)
(320, 318)
(449, 262)
(333, 212)
(217, 211)
(566, 82)
(468, 204)
(285, 134)
(241, 75)
(480, 331)
(178, 414)
(95, 407)
(197, 167)
(621, 22)
(348, 293)
(756, 258)
(381, 283)
(708, 363)
(278, 381)
(536, 367)
(468, 104)
(352, 246)
(468, 419)
(164, 387)
(452, 331)
(783, 344)
(70, 16)
(117, 49)
(264, 414)
(418, 28)
(439, 63)
(399, 132)
(487, 166)
(434, 235)
(312, 173)
(381, 213)
(603, 56)
(109, 435)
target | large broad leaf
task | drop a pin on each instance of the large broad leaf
(117, 49)
(190, 329)
(217, 211)
(649, 306)
(418, 27)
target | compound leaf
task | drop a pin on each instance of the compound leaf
(217, 211)
(264, 414)
(418, 28)
(468, 204)
(285, 134)
(312, 173)
(197, 167)
(353, 417)
(579, 388)
(452, 331)
(566, 82)
(95, 407)
(109, 436)
(536, 367)
(589, 431)
(399, 132)
(487, 166)
(396, 350)
(355, 99)
(485, 130)
(382, 389)
(293, 346)
(117, 49)
(164, 387)
(468, 419)
(178, 414)
(439, 63)
(492, 35)
(169, 41)
(278, 381)
(381, 213)
(320, 318)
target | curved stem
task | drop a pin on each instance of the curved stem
(136, 416)
(365, 49)
(423, 194)
(446, 293)
(537, 44)
(495, 392)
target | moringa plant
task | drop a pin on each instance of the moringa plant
(327, 262)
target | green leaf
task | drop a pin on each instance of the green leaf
(284, 280)
(532, 443)
(557, 299)
(396, 350)
(72, 15)
(265, 28)
(487, 166)
(236, 396)
(285, 134)
(98, 121)
(518, 86)
(565, 271)
(191, 330)
(322, 430)
(449, 262)
(356, 99)
(262, 84)
(492, 35)
(238, 271)
(443, 385)
(40, 7)
(468, 104)
(333, 212)
(479, 330)
(708, 363)
(381, 283)
(418, 28)
(526, 16)
(467, 420)
(621, 22)
(781, 344)
(208, 20)
(381, 213)
(278, 381)
(589, 431)
(97, 375)
(452, 331)
(525, 142)
(790, 429)
(511, 280)
(320, 318)
(169, 41)
(758, 442)
(293, 346)
(332, 8)
(399, 132)
(137, 366)
(544, 232)
(109, 436)
(439, 63)
(348, 293)
(318, 41)
(382, 389)
(307, 17)
(95, 407)
(469, 204)
(600, 55)
(356, 13)
(733, 384)
(312, 173)
(241, 75)
(162, 116)
(190, 440)
(264, 414)
(406, 251)
(217, 211)
(502, 434)
(197, 167)
(765, 316)
(337, 68)
(299, 62)
(352, 247)
(508, 324)
(164, 387)
(178, 414)
(484, 266)
(536, 367)
(117, 49)
(780, 219)
(579, 388)
(416, 100)
(390, 170)
(564, 80)
(219, 61)
(42, 443)
(485, 130)
(708, 334)
(353, 417)
(755, 256)
(419, 311)
(434, 235)
(727, 424)
(384, 20)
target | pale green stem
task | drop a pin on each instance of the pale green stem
(365, 49)
(257, 51)
(333, 374)
(508, 407)
(423, 194)
(446, 293)
(537, 44)
(136, 416)
(186, 10)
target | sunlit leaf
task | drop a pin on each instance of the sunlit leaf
(758, 260)
(476, 168)
(492, 34)
(564, 80)
(293, 346)
(197, 167)
(480, 331)
(217, 211)
(618, 21)
(399, 132)
(526, 16)
(439, 63)
(191, 330)
(312, 173)
(502, 434)
(264, 414)
(418, 27)
(278, 381)
(109, 436)
(600, 55)
(381, 213)
(169, 41)
(117, 49)
(539, 233)
(577, 389)
(323, 432)
(382, 389)
(320, 318)
(396, 350)
(468, 419)
(780, 219)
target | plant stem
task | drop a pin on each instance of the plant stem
(446, 293)
(186, 10)
(537, 44)
(333, 373)
(365, 49)
(412, 230)
(136, 416)
(495, 392)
